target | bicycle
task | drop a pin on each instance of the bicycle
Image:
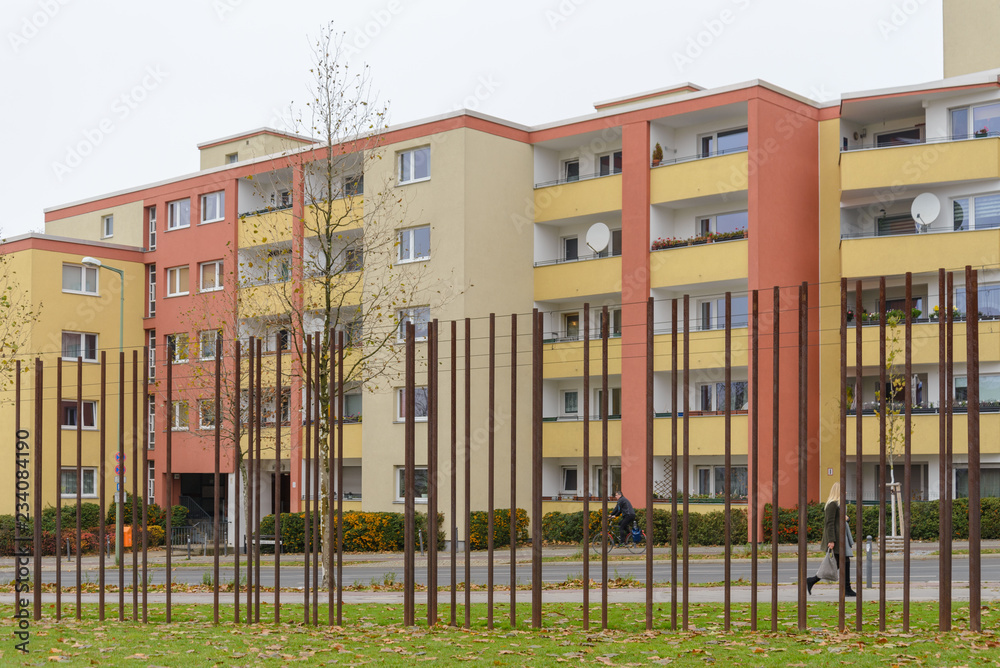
(598, 543)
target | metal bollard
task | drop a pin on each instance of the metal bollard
(67, 550)
(868, 548)
(189, 548)
(420, 535)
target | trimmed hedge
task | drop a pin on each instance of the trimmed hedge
(479, 527)
(708, 528)
(363, 531)
(157, 516)
(703, 528)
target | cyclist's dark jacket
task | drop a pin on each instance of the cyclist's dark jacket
(624, 508)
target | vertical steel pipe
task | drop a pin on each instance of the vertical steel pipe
(258, 464)
(673, 464)
(728, 465)
(468, 473)
(37, 512)
(649, 464)
(454, 471)
(754, 515)
(144, 472)
(907, 444)
(586, 465)
(340, 478)
(803, 473)
(882, 405)
(307, 477)
(536, 469)
(236, 402)
(975, 507)
(432, 472)
(168, 472)
(844, 584)
(859, 452)
(686, 464)
(513, 470)
(409, 396)
(276, 491)
(605, 468)
(102, 472)
(490, 468)
(79, 485)
(135, 487)
(775, 428)
(58, 422)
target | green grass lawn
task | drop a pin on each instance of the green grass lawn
(373, 634)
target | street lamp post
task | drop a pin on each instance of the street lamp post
(120, 479)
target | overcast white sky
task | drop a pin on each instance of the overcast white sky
(136, 85)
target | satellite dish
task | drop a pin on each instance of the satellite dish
(598, 237)
(925, 210)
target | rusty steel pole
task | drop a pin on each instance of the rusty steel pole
(975, 507)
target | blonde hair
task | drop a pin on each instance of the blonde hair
(834, 495)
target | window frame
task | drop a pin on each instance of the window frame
(175, 344)
(612, 168)
(174, 209)
(219, 204)
(202, 404)
(72, 404)
(401, 403)
(564, 411)
(713, 138)
(219, 276)
(201, 343)
(410, 314)
(566, 164)
(411, 244)
(151, 226)
(970, 120)
(84, 470)
(969, 211)
(174, 276)
(175, 423)
(107, 223)
(407, 157)
(400, 479)
(563, 489)
(82, 346)
(83, 280)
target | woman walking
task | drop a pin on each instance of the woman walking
(831, 538)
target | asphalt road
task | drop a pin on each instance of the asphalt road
(701, 571)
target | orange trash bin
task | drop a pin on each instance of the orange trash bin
(127, 536)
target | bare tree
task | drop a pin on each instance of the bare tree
(341, 274)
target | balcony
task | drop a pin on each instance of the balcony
(707, 434)
(924, 437)
(265, 226)
(699, 177)
(565, 438)
(917, 253)
(564, 359)
(708, 349)
(944, 160)
(924, 344)
(699, 263)
(578, 278)
(591, 196)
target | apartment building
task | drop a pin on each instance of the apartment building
(702, 193)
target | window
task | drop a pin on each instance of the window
(711, 481)
(354, 185)
(570, 403)
(178, 214)
(354, 333)
(151, 216)
(571, 246)
(71, 416)
(414, 244)
(415, 165)
(354, 259)
(898, 137)
(211, 276)
(151, 478)
(79, 344)
(420, 316)
(179, 416)
(151, 410)
(989, 388)
(616, 480)
(177, 347)
(571, 170)
(67, 482)
(352, 407)
(277, 267)
(615, 406)
(79, 279)
(728, 141)
(107, 226)
(610, 163)
(989, 482)
(152, 353)
(571, 326)
(213, 207)
(206, 413)
(614, 248)
(177, 281)
(207, 339)
(989, 300)
(977, 213)
(713, 313)
(420, 403)
(983, 121)
(152, 290)
(419, 484)
(232, 158)
(569, 480)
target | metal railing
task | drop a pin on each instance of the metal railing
(875, 145)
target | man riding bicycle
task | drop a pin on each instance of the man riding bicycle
(627, 512)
